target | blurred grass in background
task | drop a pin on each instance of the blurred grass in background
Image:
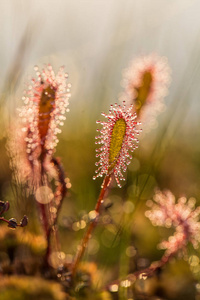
(95, 40)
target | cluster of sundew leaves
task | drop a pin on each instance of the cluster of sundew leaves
(118, 138)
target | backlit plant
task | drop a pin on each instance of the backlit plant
(145, 83)
(33, 144)
(32, 147)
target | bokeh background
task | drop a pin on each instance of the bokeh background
(95, 41)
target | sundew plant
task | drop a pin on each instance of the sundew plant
(66, 255)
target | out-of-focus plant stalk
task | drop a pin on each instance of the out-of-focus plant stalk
(33, 145)
(60, 193)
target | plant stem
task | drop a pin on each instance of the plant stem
(50, 224)
(44, 215)
(154, 268)
(46, 227)
(61, 190)
(84, 243)
(3, 219)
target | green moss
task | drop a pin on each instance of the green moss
(23, 288)
(15, 238)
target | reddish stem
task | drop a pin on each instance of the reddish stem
(145, 273)
(44, 215)
(3, 219)
(84, 243)
(61, 190)
(47, 230)
(59, 195)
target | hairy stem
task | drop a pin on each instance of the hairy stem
(84, 242)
